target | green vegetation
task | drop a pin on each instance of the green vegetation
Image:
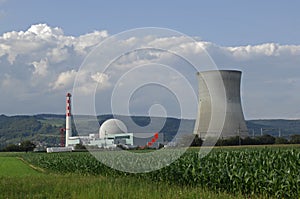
(11, 167)
(267, 172)
(14, 129)
(18, 180)
(295, 139)
(259, 140)
(23, 146)
(76, 186)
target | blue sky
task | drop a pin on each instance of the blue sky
(231, 22)
(43, 44)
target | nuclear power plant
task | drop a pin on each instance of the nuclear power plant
(220, 111)
(220, 115)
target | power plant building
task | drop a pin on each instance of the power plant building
(112, 133)
(220, 111)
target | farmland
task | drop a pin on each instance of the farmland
(19, 180)
(262, 171)
(231, 172)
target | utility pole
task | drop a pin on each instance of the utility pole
(239, 133)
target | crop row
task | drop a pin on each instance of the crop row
(267, 172)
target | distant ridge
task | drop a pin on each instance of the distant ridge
(44, 128)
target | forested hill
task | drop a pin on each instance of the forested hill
(45, 128)
(14, 129)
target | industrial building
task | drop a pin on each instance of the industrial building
(112, 133)
(220, 111)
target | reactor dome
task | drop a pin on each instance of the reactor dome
(112, 126)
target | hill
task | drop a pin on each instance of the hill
(274, 127)
(44, 129)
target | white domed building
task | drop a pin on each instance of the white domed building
(112, 127)
(111, 133)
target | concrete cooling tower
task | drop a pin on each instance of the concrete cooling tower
(220, 111)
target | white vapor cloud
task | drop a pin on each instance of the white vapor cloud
(40, 68)
(102, 79)
(64, 80)
(42, 63)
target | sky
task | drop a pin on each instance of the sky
(44, 43)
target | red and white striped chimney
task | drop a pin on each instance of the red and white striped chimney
(68, 119)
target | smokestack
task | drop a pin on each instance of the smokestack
(68, 119)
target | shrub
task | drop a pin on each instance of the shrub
(281, 140)
(295, 139)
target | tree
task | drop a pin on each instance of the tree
(12, 148)
(266, 139)
(231, 141)
(23, 146)
(281, 140)
(250, 141)
(197, 141)
(27, 146)
(80, 146)
(295, 139)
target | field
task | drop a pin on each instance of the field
(19, 180)
(13, 167)
(231, 172)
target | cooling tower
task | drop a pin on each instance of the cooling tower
(220, 111)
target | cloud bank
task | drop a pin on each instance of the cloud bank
(39, 65)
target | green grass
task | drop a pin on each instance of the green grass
(76, 186)
(19, 180)
(11, 166)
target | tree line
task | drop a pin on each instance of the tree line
(23, 146)
(260, 140)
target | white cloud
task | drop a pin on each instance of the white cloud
(44, 31)
(41, 41)
(84, 43)
(64, 80)
(57, 55)
(40, 68)
(102, 79)
(44, 61)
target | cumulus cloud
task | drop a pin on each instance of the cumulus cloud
(64, 80)
(43, 61)
(40, 61)
(263, 50)
(102, 79)
(40, 68)
(43, 41)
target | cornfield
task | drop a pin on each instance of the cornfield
(267, 172)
